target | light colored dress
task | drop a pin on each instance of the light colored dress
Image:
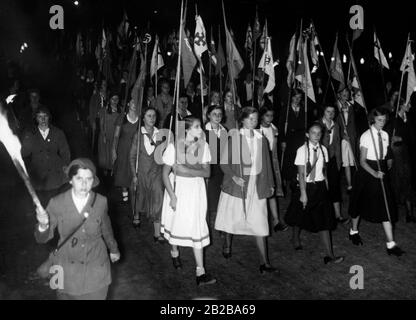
(187, 227)
(230, 214)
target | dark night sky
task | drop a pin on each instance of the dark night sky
(29, 21)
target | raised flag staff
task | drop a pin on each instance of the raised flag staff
(403, 69)
(137, 97)
(256, 35)
(200, 46)
(230, 59)
(379, 55)
(371, 132)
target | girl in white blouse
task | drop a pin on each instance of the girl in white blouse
(372, 197)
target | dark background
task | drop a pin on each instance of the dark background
(28, 21)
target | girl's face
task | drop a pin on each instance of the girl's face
(132, 106)
(314, 134)
(82, 182)
(42, 119)
(297, 98)
(268, 118)
(150, 118)
(216, 116)
(379, 122)
(165, 88)
(114, 101)
(329, 114)
(251, 121)
(229, 98)
(215, 98)
(345, 95)
(195, 131)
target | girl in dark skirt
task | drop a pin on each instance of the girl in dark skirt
(332, 141)
(368, 199)
(147, 180)
(311, 208)
(215, 131)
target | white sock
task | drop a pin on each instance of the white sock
(352, 232)
(174, 254)
(391, 245)
(200, 271)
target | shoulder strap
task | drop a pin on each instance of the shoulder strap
(76, 229)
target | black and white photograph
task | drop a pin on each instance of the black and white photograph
(230, 151)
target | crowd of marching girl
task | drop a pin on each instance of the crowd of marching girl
(232, 162)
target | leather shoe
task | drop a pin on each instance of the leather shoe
(177, 264)
(267, 269)
(205, 279)
(333, 260)
(226, 252)
(159, 240)
(395, 251)
(356, 239)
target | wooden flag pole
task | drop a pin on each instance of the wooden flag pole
(209, 73)
(381, 65)
(230, 68)
(400, 88)
(254, 61)
(371, 132)
(201, 79)
(220, 74)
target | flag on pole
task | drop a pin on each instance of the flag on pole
(80, 46)
(291, 61)
(378, 52)
(264, 35)
(221, 61)
(213, 51)
(303, 73)
(408, 67)
(157, 59)
(249, 45)
(123, 32)
(256, 28)
(188, 58)
(314, 46)
(200, 38)
(355, 84)
(235, 62)
(336, 65)
(267, 65)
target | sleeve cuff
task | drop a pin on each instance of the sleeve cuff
(41, 230)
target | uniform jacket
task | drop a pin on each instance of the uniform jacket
(265, 180)
(46, 159)
(84, 258)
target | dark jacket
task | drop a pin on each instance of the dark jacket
(85, 260)
(265, 180)
(46, 159)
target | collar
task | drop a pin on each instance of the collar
(208, 127)
(332, 123)
(312, 147)
(271, 126)
(155, 131)
(245, 133)
(375, 131)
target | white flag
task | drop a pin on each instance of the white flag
(407, 66)
(267, 65)
(200, 38)
(378, 52)
(157, 59)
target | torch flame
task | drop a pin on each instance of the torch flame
(11, 141)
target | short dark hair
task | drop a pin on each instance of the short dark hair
(245, 113)
(376, 112)
(73, 170)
